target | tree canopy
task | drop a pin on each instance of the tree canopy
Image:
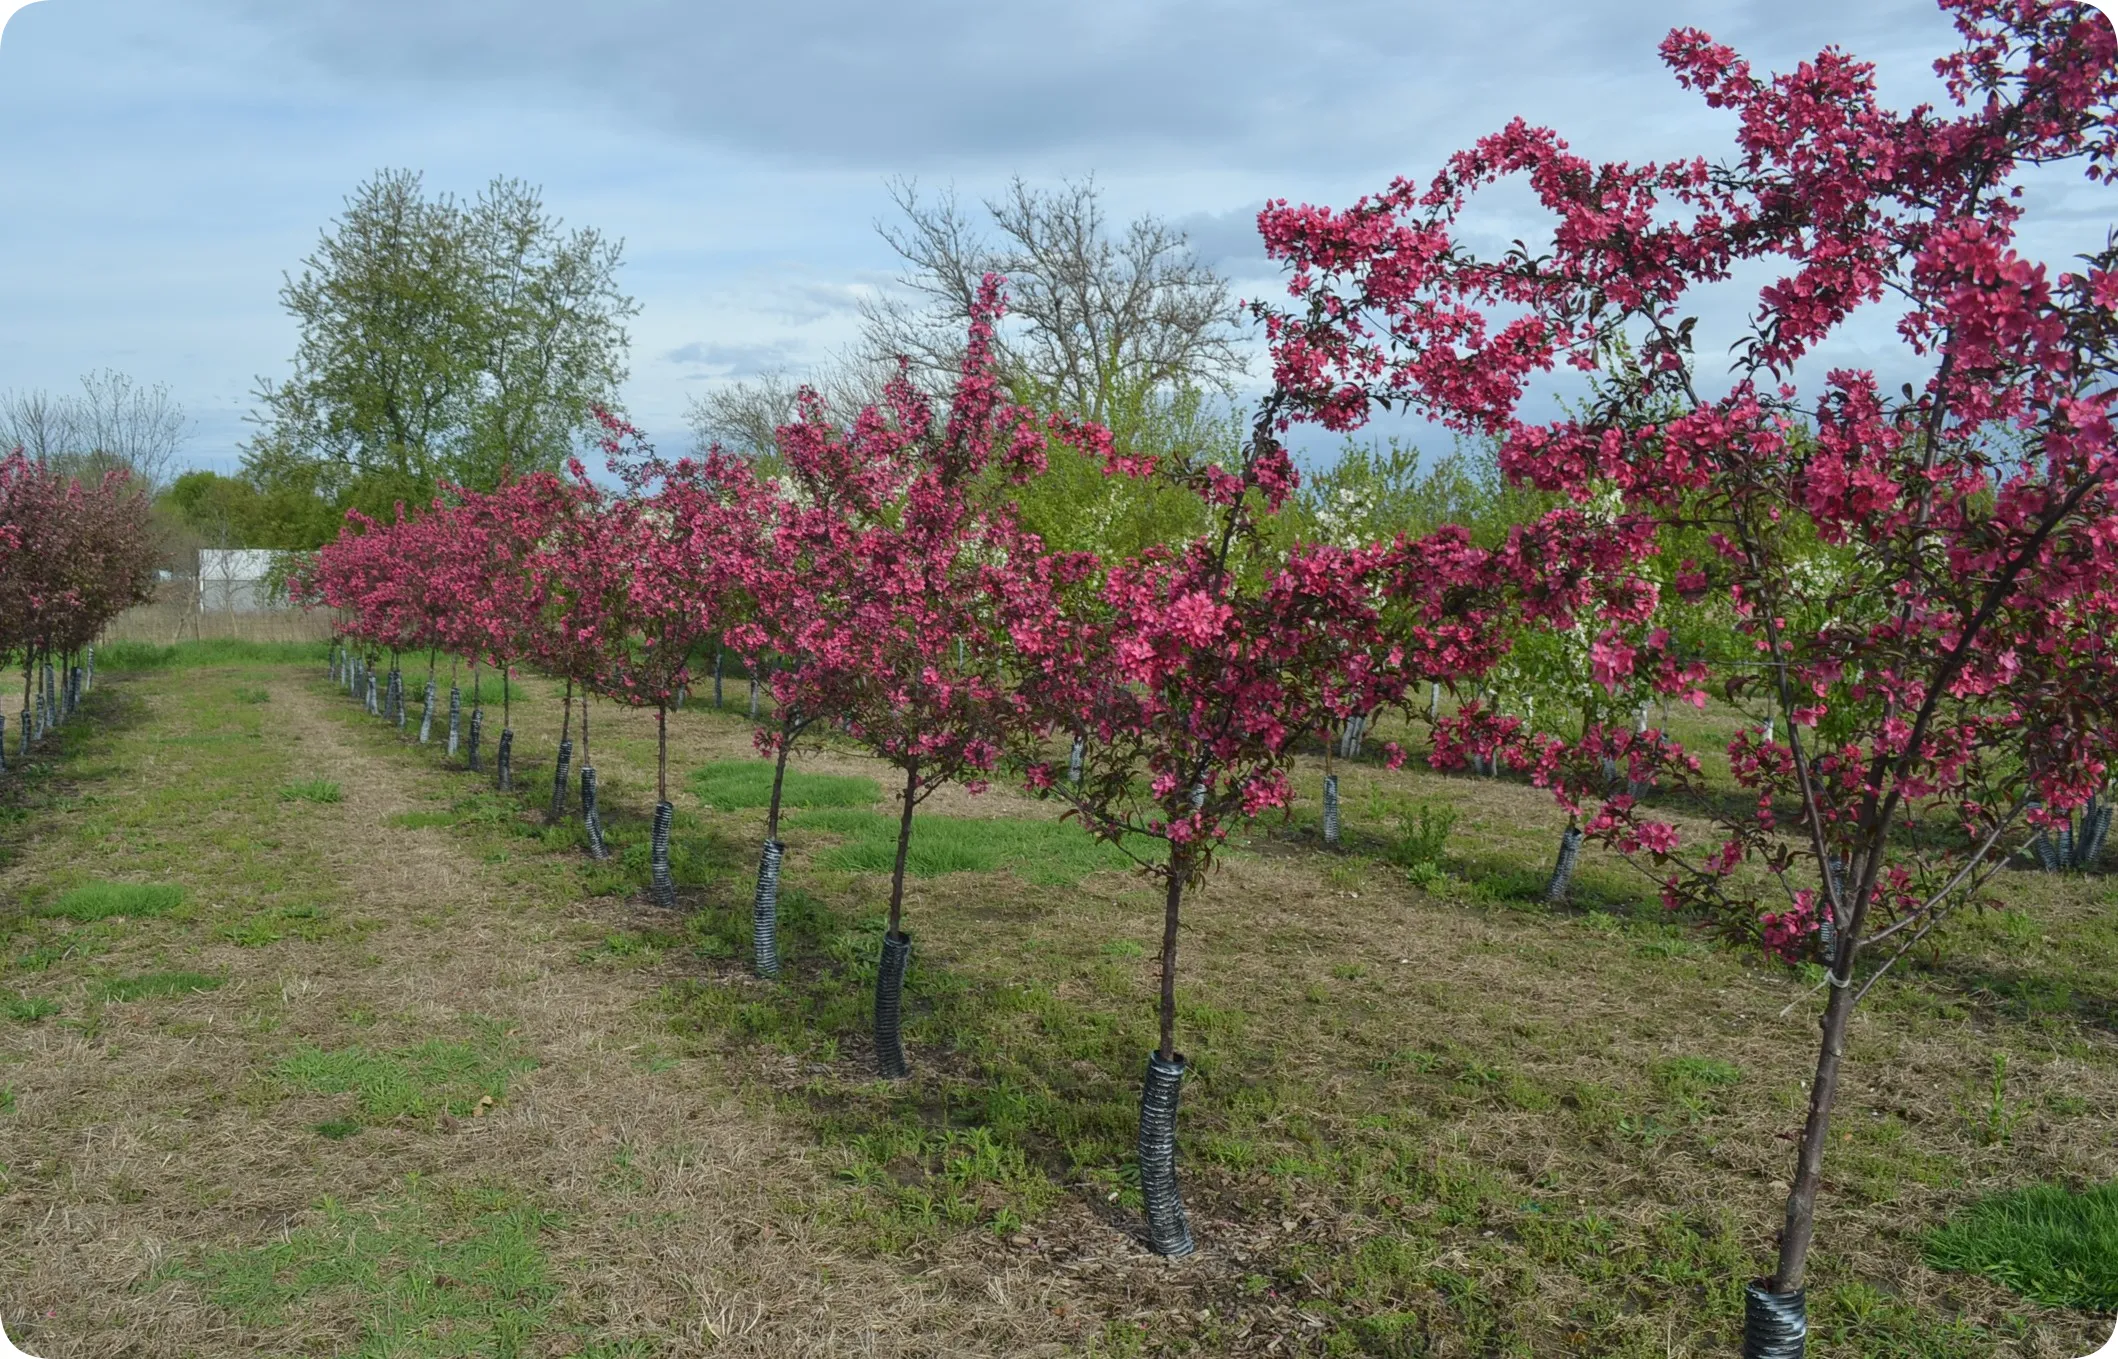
(440, 342)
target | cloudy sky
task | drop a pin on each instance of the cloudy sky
(163, 162)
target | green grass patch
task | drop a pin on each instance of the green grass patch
(311, 790)
(307, 923)
(151, 985)
(25, 1009)
(145, 656)
(1046, 853)
(737, 785)
(438, 1076)
(104, 900)
(2047, 1243)
(435, 1271)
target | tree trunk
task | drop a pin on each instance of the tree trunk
(904, 848)
(779, 779)
(1172, 906)
(1800, 1226)
(662, 751)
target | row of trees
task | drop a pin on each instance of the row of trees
(73, 554)
(1922, 584)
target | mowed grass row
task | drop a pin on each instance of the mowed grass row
(166, 1092)
(1440, 1121)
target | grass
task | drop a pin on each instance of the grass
(429, 1270)
(739, 785)
(106, 900)
(2048, 1243)
(138, 657)
(1043, 853)
(435, 1077)
(1446, 1122)
(311, 790)
(26, 1009)
(269, 926)
(154, 985)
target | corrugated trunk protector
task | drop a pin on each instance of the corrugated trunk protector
(590, 816)
(1331, 810)
(658, 857)
(1073, 762)
(373, 708)
(455, 718)
(1562, 878)
(765, 910)
(426, 714)
(560, 777)
(91, 677)
(504, 762)
(1167, 1231)
(889, 1006)
(2098, 829)
(1775, 1325)
(477, 730)
(2047, 851)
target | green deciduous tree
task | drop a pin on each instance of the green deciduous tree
(440, 342)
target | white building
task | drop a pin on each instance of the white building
(233, 580)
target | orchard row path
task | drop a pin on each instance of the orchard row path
(361, 1093)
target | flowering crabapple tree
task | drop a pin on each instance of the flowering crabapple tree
(669, 527)
(584, 572)
(923, 581)
(500, 596)
(1194, 673)
(73, 555)
(792, 541)
(1952, 671)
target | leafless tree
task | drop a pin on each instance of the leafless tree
(113, 422)
(1094, 323)
(1092, 319)
(38, 423)
(745, 416)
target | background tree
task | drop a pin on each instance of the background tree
(440, 342)
(112, 423)
(1130, 330)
